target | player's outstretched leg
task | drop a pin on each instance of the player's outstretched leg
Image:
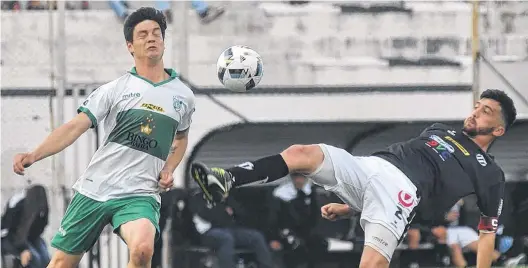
(216, 182)
(380, 244)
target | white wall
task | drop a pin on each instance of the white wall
(299, 48)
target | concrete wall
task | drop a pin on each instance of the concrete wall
(307, 45)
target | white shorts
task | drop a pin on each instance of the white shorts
(461, 235)
(382, 192)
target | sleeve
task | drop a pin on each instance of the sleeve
(187, 117)
(490, 202)
(97, 105)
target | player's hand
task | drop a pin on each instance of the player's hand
(25, 258)
(166, 179)
(333, 211)
(22, 161)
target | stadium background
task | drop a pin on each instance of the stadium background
(356, 75)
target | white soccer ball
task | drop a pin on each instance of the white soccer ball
(239, 68)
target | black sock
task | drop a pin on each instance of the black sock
(266, 169)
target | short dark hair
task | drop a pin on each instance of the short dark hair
(142, 14)
(509, 113)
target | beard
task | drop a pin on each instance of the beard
(475, 131)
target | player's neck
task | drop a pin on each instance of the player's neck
(153, 72)
(482, 141)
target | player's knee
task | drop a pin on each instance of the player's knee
(303, 158)
(374, 263)
(141, 253)
(62, 260)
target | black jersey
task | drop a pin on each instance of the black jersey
(446, 165)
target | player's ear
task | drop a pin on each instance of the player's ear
(130, 48)
(499, 131)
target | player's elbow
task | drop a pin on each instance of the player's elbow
(79, 124)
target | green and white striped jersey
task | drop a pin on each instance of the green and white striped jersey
(140, 120)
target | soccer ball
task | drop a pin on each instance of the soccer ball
(239, 68)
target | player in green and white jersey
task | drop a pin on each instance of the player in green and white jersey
(145, 114)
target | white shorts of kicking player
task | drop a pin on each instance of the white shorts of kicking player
(382, 193)
(461, 235)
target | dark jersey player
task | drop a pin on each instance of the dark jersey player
(430, 172)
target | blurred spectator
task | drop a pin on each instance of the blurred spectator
(206, 12)
(294, 215)
(414, 235)
(120, 8)
(23, 222)
(516, 207)
(41, 5)
(220, 230)
(11, 5)
(461, 237)
(37, 5)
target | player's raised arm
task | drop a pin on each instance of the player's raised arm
(490, 203)
(57, 141)
(94, 109)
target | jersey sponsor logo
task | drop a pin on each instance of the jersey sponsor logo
(405, 199)
(147, 126)
(131, 95)
(153, 107)
(481, 160)
(441, 147)
(458, 145)
(177, 103)
(452, 132)
(140, 141)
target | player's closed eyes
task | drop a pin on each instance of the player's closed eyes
(144, 34)
(487, 110)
